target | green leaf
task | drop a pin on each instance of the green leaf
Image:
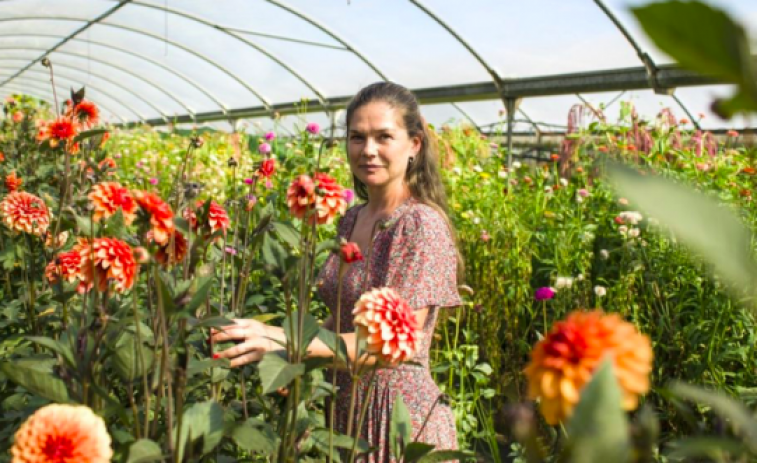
(310, 329)
(275, 372)
(329, 338)
(273, 253)
(86, 226)
(705, 447)
(737, 414)
(56, 346)
(200, 366)
(89, 134)
(699, 37)
(200, 296)
(214, 322)
(165, 294)
(446, 455)
(288, 233)
(599, 428)
(36, 382)
(699, 221)
(115, 225)
(201, 423)
(144, 451)
(254, 439)
(401, 428)
(416, 450)
(128, 355)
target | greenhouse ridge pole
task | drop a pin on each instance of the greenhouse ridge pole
(66, 39)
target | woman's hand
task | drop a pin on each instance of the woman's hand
(254, 340)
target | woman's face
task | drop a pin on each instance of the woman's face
(379, 147)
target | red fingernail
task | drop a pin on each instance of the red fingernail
(215, 356)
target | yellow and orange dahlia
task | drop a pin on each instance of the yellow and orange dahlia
(62, 434)
(161, 215)
(108, 197)
(564, 361)
(388, 325)
(24, 212)
(13, 182)
(66, 266)
(105, 261)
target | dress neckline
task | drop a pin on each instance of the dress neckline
(383, 224)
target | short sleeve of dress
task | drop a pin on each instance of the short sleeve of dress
(422, 262)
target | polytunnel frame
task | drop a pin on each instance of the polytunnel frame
(504, 87)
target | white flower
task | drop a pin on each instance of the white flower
(631, 217)
(633, 233)
(600, 291)
(476, 220)
(623, 201)
(580, 277)
(502, 174)
(604, 254)
(623, 230)
(564, 181)
(457, 170)
(548, 189)
(563, 282)
(477, 168)
(516, 165)
(579, 199)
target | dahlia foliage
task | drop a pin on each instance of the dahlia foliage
(565, 360)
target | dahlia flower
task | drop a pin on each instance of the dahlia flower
(270, 136)
(108, 197)
(218, 219)
(62, 434)
(87, 113)
(267, 168)
(543, 294)
(324, 197)
(161, 215)
(170, 253)
(13, 182)
(107, 260)
(350, 252)
(388, 325)
(264, 148)
(57, 242)
(565, 360)
(313, 128)
(62, 129)
(66, 266)
(24, 212)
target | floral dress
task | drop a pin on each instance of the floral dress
(414, 254)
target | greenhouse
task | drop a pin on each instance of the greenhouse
(363, 230)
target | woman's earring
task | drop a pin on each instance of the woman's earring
(410, 161)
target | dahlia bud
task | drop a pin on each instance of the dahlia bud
(45, 62)
(141, 255)
(197, 142)
(232, 162)
(350, 252)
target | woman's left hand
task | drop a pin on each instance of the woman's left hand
(256, 339)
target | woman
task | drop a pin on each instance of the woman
(412, 250)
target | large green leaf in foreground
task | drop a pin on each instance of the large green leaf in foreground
(699, 221)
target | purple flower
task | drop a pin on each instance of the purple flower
(153, 181)
(545, 293)
(231, 250)
(248, 181)
(270, 136)
(348, 195)
(264, 148)
(313, 128)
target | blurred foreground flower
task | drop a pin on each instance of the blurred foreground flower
(62, 434)
(161, 215)
(350, 252)
(564, 362)
(105, 261)
(24, 212)
(313, 128)
(388, 325)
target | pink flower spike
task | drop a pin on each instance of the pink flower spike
(269, 184)
(270, 136)
(231, 250)
(313, 128)
(264, 148)
(153, 181)
(248, 181)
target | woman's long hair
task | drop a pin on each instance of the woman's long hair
(422, 175)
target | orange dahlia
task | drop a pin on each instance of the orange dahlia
(13, 182)
(388, 325)
(87, 113)
(108, 197)
(323, 195)
(62, 129)
(107, 260)
(62, 434)
(564, 362)
(25, 212)
(66, 266)
(218, 219)
(161, 215)
(171, 253)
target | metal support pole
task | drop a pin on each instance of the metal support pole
(511, 105)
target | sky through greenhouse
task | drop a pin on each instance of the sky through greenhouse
(154, 60)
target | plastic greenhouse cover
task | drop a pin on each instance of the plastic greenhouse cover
(161, 58)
